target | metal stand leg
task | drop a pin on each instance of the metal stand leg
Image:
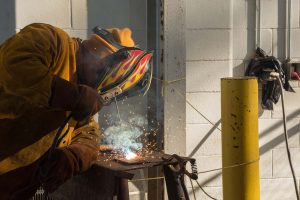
(175, 184)
(174, 175)
(121, 190)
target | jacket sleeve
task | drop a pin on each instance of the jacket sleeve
(26, 63)
(84, 147)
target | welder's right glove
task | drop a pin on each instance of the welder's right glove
(82, 100)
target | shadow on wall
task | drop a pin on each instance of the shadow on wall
(250, 29)
(292, 131)
(281, 33)
(113, 13)
(120, 14)
(7, 19)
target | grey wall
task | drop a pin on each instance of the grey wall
(8, 19)
(120, 13)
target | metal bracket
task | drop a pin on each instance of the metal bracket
(174, 175)
(110, 94)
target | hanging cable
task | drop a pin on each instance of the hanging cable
(276, 75)
(165, 83)
(146, 179)
(205, 191)
(197, 110)
(193, 188)
(58, 136)
(230, 166)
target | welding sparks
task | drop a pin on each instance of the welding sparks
(130, 155)
(126, 136)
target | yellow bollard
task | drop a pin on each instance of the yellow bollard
(239, 116)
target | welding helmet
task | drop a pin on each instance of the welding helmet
(129, 77)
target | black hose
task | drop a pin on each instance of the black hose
(58, 133)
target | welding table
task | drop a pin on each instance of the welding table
(173, 168)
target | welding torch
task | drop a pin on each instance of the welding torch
(105, 99)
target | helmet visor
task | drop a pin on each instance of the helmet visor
(131, 76)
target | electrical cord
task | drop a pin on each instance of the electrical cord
(205, 191)
(276, 75)
(166, 82)
(147, 179)
(188, 102)
(193, 188)
(57, 136)
(230, 166)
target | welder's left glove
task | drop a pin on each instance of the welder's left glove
(70, 160)
(65, 163)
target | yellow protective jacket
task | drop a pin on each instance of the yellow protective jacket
(28, 61)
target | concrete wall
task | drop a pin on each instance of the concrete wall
(219, 42)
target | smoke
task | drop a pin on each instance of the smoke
(126, 135)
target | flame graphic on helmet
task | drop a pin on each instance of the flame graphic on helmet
(138, 72)
(131, 70)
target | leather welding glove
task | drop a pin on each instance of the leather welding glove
(63, 164)
(20, 183)
(82, 100)
(71, 160)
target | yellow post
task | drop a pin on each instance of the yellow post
(240, 151)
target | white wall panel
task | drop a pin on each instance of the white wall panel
(55, 12)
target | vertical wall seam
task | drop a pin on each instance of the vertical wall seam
(174, 62)
(257, 24)
(231, 24)
(272, 163)
(71, 14)
(272, 40)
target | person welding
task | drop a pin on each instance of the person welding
(46, 76)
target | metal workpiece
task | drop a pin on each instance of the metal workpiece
(120, 167)
(240, 151)
(174, 168)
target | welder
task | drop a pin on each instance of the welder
(44, 76)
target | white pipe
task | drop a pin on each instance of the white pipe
(257, 23)
(288, 30)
